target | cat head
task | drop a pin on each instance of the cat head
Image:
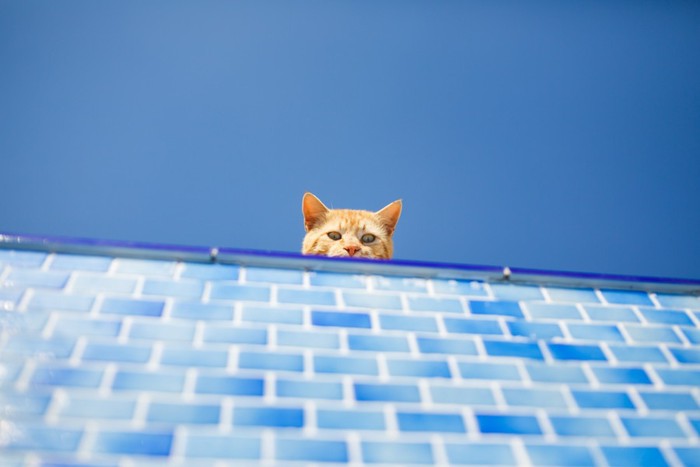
(348, 232)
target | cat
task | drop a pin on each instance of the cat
(348, 232)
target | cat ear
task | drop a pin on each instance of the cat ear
(313, 209)
(389, 215)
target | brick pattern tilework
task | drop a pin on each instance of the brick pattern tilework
(114, 361)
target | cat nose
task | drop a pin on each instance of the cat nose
(352, 249)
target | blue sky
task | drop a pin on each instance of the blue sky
(542, 134)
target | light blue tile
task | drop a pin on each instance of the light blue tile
(214, 446)
(183, 413)
(430, 422)
(34, 278)
(270, 361)
(557, 455)
(372, 300)
(93, 283)
(447, 305)
(268, 416)
(189, 357)
(407, 323)
(371, 392)
(597, 427)
(509, 424)
(308, 297)
(540, 398)
(208, 271)
(248, 293)
(462, 395)
(683, 355)
(495, 308)
(125, 306)
(394, 452)
(553, 311)
(131, 353)
(312, 340)
(341, 319)
(66, 262)
(18, 405)
(74, 327)
(229, 385)
(273, 315)
(563, 294)
(111, 408)
(54, 348)
(626, 297)
(158, 330)
(332, 279)
(133, 443)
(616, 314)
(280, 276)
(350, 419)
(311, 450)
(378, 343)
(607, 375)
(180, 289)
(633, 456)
(22, 258)
(226, 334)
(480, 454)
(489, 371)
(565, 374)
(576, 352)
(401, 284)
(309, 389)
(419, 368)
(46, 300)
(513, 349)
(666, 316)
(446, 346)
(457, 287)
(534, 330)
(652, 427)
(595, 332)
(679, 301)
(144, 381)
(473, 326)
(602, 399)
(202, 311)
(652, 334)
(516, 292)
(31, 323)
(692, 334)
(145, 266)
(11, 295)
(29, 438)
(695, 423)
(638, 354)
(674, 401)
(688, 455)
(346, 365)
(72, 377)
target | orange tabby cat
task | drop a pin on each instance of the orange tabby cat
(348, 232)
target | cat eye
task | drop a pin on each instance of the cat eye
(334, 235)
(368, 238)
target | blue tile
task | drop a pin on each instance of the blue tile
(111, 408)
(692, 334)
(16, 405)
(41, 438)
(679, 301)
(224, 334)
(496, 308)
(576, 352)
(345, 365)
(311, 450)
(535, 330)
(66, 262)
(73, 327)
(543, 454)
(652, 427)
(308, 339)
(683, 355)
(473, 326)
(615, 314)
(59, 301)
(602, 399)
(33, 278)
(308, 297)
(133, 443)
(447, 305)
(489, 371)
(273, 315)
(674, 401)
(457, 287)
(142, 381)
(158, 330)
(637, 354)
(340, 319)
(189, 357)
(627, 297)
(334, 279)
(607, 375)
(11, 295)
(666, 316)
(270, 361)
(419, 368)
(180, 289)
(229, 385)
(22, 258)
(74, 377)
(28, 324)
(623, 456)
(431, 422)
(553, 311)
(281, 276)
(372, 300)
(446, 346)
(378, 343)
(695, 423)
(93, 283)
(268, 416)
(557, 374)
(222, 447)
(407, 323)
(652, 334)
(145, 266)
(516, 292)
(249, 293)
(509, 424)
(403, 284)
(131, 353)
(597, 427)
(386, 392)
(513, 349)
(595, 332)
(390, 452)
(57, 347)
(208, 271)
(350, 419)
(480, 454)
(562, 294)
(309, 389)
(462, 395)
(688, 456)
(677, 377)
(202, 311)
(125, 306)
(541, 398)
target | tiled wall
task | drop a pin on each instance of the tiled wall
(116, 361)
